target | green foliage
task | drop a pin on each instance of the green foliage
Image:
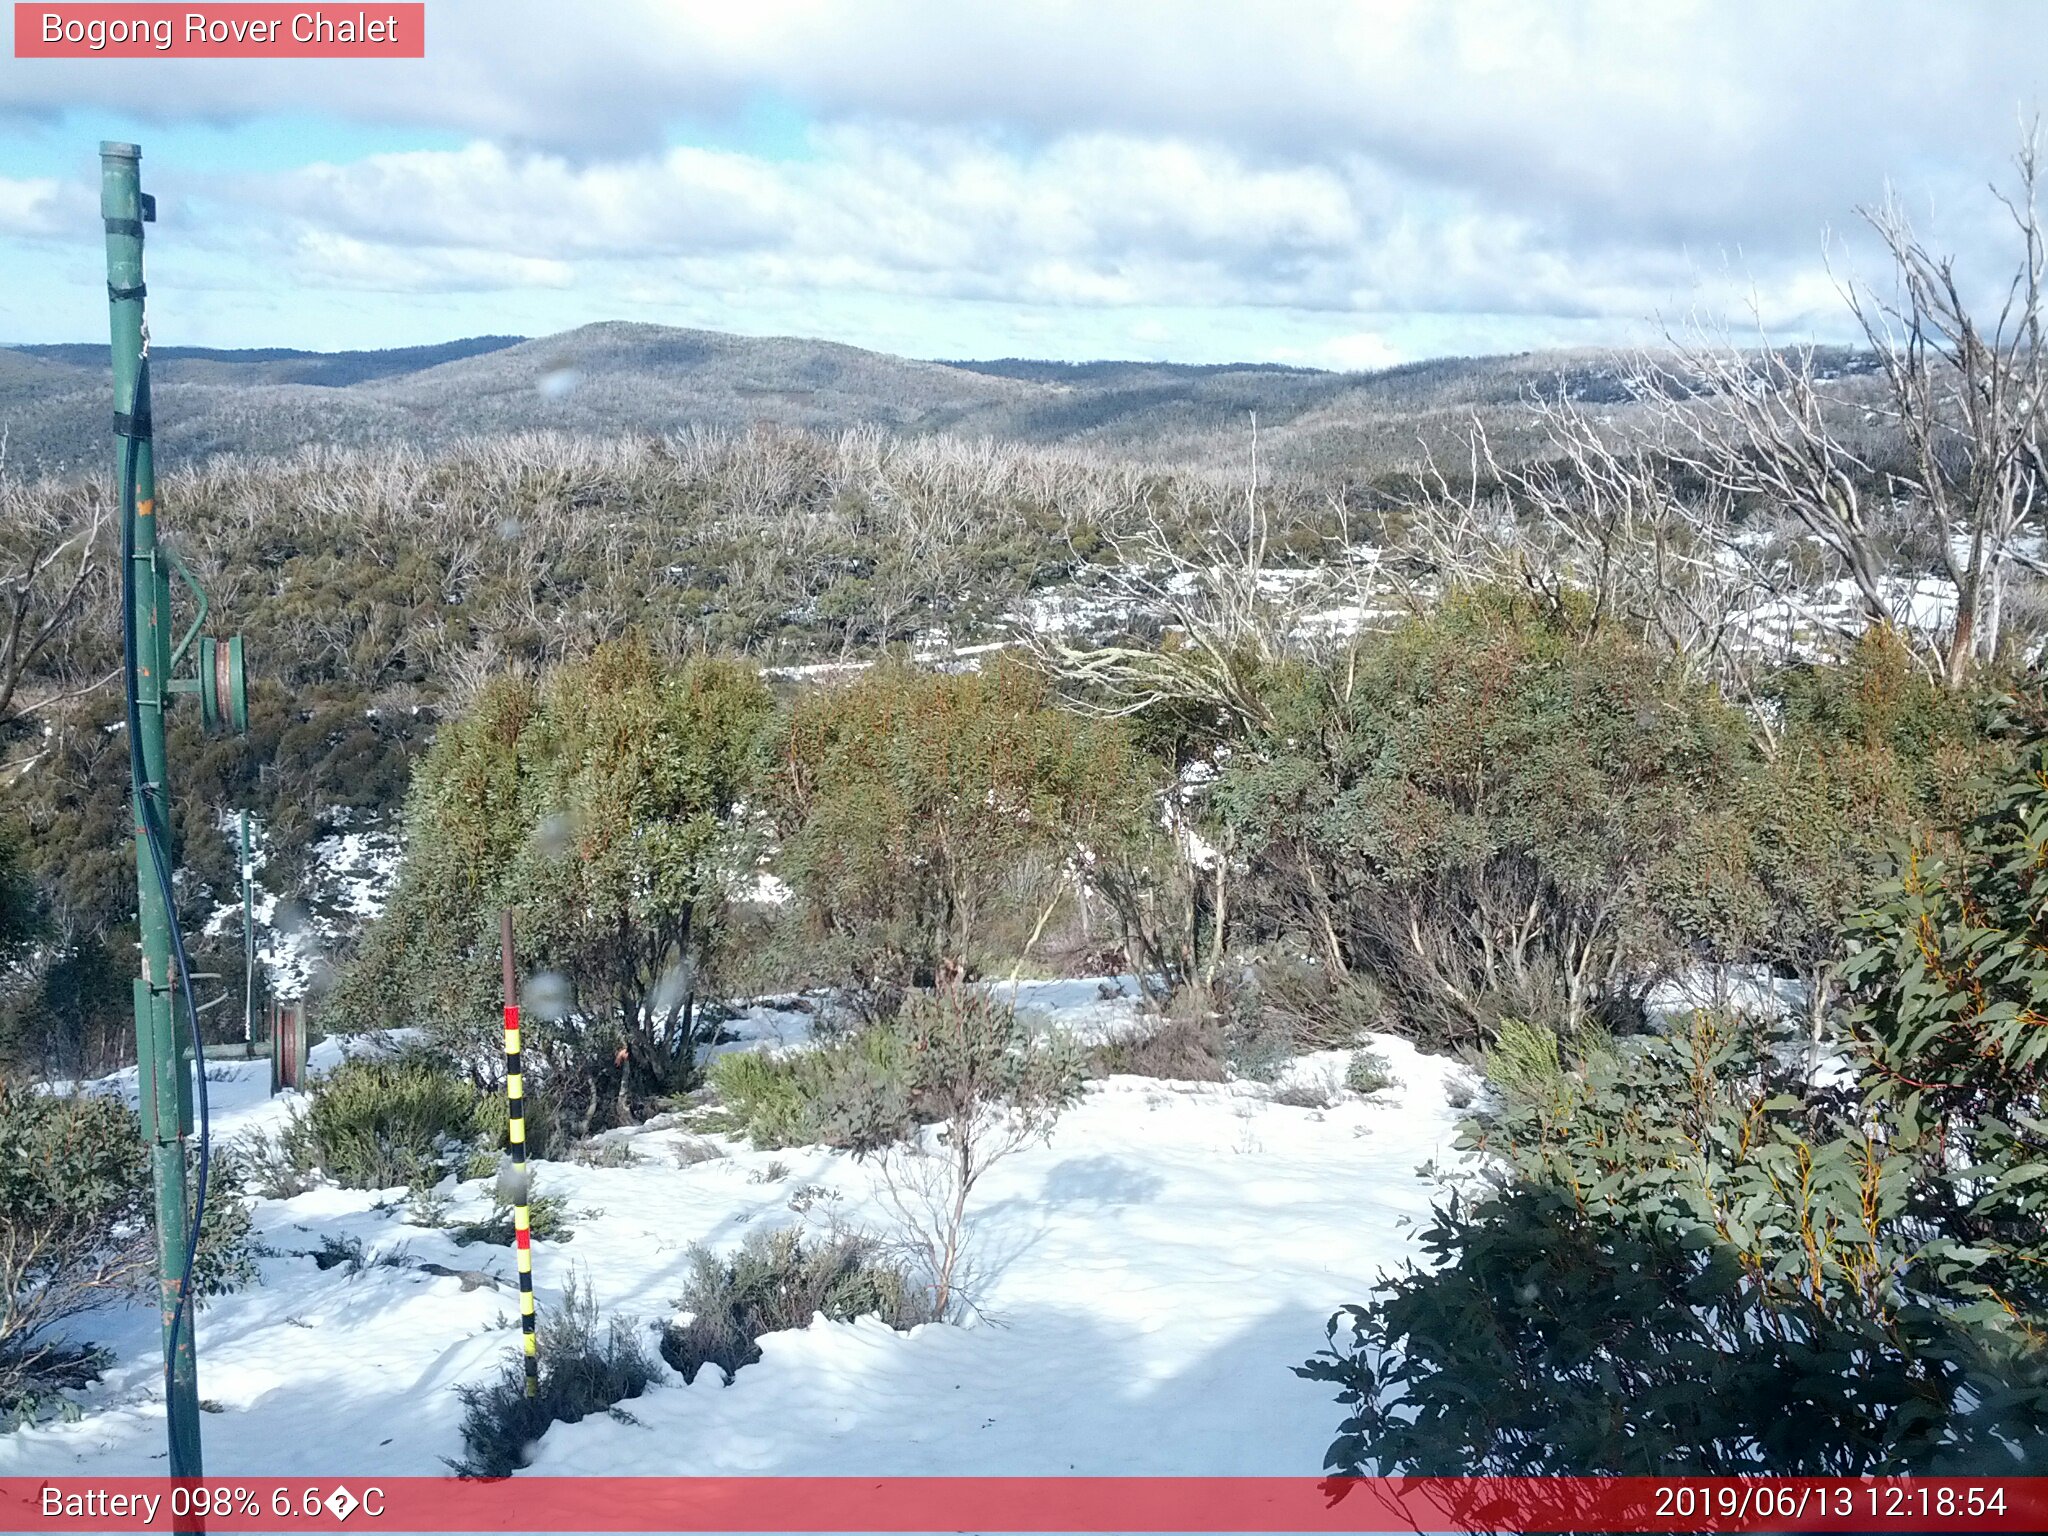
(1184, 1047)
(379, 1121)
(18, 917)
(76, 1233)
(1368, 1073)
(1870, 752)
(1689, 1260)
(586, 1367)
(870, 1089)
(776, 1281)
(840, 1093)
(1480, 810)
(604, 806)
(70, 1010)
(919, 811)
(970, 1056)
(547, 1218)
(1950, 975)
(1531, 1065)
(1951, 964)
(225, 1259)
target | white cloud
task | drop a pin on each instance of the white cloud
(338, 261)
(1581, 168)
(1359, 352)
(1085, 220)
(39, 208)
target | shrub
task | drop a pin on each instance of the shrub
(992, 1089)
(584, 1369)
(226, 1257)
(1949, 974)
(595, 1153)
(1524, 1062)
(1321, 1011)
(605, 805)
(547, 1218)
(1685, 1262)
(1478, 811)
(1187, 1048)
(374, 1122)
(1871, 752)
(775, 1282)
(956, 1057)
(76, 1233)
(271, 1163)
(1368, 1073)
(849, 1092)
(1257, 1045)
(920, 812)
(1314, 1094)
(760, 1094)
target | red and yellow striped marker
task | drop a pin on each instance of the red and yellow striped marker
(515, 1141)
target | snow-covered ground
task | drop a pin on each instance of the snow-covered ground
(1145, 1281)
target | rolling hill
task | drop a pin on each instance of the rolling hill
(614, 378)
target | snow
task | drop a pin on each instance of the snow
(352, 872)
(1144, 1282)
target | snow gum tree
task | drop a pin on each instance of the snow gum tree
(605, 804)
(922, 811)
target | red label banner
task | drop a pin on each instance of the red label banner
(1018, 1504)
(238, 31)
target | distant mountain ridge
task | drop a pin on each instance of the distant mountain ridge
(618, 377)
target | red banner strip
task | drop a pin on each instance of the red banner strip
(240, 31)
(1020, 1504)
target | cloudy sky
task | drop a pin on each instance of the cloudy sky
(1345, 183)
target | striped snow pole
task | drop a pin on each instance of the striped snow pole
(515, 1139)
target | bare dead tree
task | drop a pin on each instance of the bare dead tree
(1758, 425)
(1964, 393)
(49, 565)
(1227, 613)
(1961, 397)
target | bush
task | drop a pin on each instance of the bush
(850, 1092)
(1480, 811)
(1524, 1060)
(956, 1057)
(547, 1218)
(1686, 1261)
(584, 1369)
(921, 812)
(226, 1257)
(1871, 752)
(1313, 1094)
(992, 1089)
(605, 804)
(1368, 1073)
(1188, 1048)
(374, 1122)
(775, 1282)
(1321, 1011)
(1949, 974)
(76, 1233)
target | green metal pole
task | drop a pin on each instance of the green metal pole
(164, 1057)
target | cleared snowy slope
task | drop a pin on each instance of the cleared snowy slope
(1147, 1279)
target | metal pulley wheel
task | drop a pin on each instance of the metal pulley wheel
(223, 688)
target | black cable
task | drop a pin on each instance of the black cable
(160, 859)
